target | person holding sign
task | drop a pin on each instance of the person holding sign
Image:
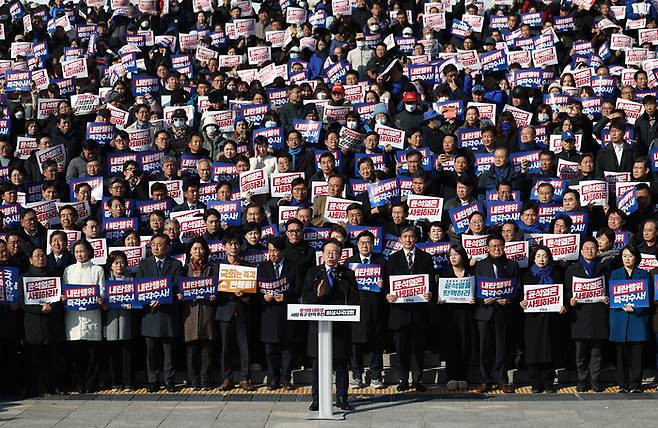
(233, 312)
(84, 328)
(629, 324)
(119, 328)
(331, 284)
(198, 313)
(160, 322)
(368, 334)
(493, 315)
(409, 321)
(457, 320)
(584, 288)
(278, 279)
(541, 331)
(44, 333)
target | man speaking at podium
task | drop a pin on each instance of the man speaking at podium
(331, 284)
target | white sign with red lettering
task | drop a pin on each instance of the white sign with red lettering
(280, 183)
(174, 189)
(542, 298)
(588, 290)
(75, 68)
(632, 109)
(259, 54)
(39, 290)
(563, 246)
(254, 182)
(593, 192)
(475, 246)
(543, 57)
(390, 136)
(409, 288)
(428, 208)
(335, 209)
(521, 117)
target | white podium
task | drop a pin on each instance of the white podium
(325, 315)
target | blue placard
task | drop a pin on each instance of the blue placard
(368, 277)
(149, 290)
(201, 288)
(384, 192)
(470, 138)
(493, 61)
(143, 85)
(274, 136)
(80, 297)
(310, 130)
(633, 292)
(353, 232)
(120, 293)
(229, 211)
(504, 288)
(8, 285)
(439, 252)
(499, 212)
(103, 133)
(459, 216)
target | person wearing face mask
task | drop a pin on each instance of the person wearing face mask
(411, 116)
(360, 56)
(180, 132)
(212, 138)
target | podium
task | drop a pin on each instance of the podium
(325, 315)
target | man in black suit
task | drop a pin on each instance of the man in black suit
(31, 231)
(278, 283)
(60, 257)
(409, 321)
(233, 314)
(368, 334)
(191, 194)
(331, 284)
(618, 155)
(160, 323)
(492, 316)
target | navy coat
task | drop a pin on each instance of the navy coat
(629, 326)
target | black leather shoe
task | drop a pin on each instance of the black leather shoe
(419, 387)
(314, 406)
(342, 404)
(402, 386)
(285, 384)
(153, 387)
(170, 388)
(273, 384)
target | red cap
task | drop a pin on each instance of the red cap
(338, 88)
(410, 97)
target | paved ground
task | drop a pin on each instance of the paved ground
(288, 410)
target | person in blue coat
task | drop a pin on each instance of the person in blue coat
(629, 326)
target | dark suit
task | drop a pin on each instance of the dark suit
(276, 331)
(185, 206)
(607, 159)
(343, 292)
(233, 314)
(368, 334)
(409, 320)
(160, 325)
(66, 260)
(493, 320)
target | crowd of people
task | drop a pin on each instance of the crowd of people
(505, 141)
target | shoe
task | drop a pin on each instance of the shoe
(507, 389)
(205, 384)
(227, 385)
(636, 391)
(314, 406)
(551, 390)
(356, 382)
(170, 388)
(342, 404)
(403, 386)
(462, 384)
(377, 384)
(536, 390)
(128, 388)
(273, 384)
(285, 384)
(153, 387)
(246, 385)
(622, 390)
(116, 388)
(419, 387)
(484, 388)
(452, 385)
(196, 385)
(582, 387)
(598, 388)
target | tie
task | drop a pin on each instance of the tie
(366, 261)
(192, 206)
(160, 265)
(330, 275)
(277, 269)
(495, 269)
(410, 260)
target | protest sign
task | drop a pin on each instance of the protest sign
(120, 293)
(232, 278)
(563, 246)
(39, 290)
(254, 182)
(409, 288)
(543, 298)
(459, 216)
(57, 153)
(518, 251)
(593, 192)
(335, 209)
(499, 212)
(425, 208)
(390, 136)
(80, 297)
(631, 292)
(8, 286)
(274, 286)
(149, 290)
(383, 192)
(280, 183)
(588, 290)
(457, 290)
(503, 288)
(369, 277)
(75, 68)
(197, 288)
(475, 246)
